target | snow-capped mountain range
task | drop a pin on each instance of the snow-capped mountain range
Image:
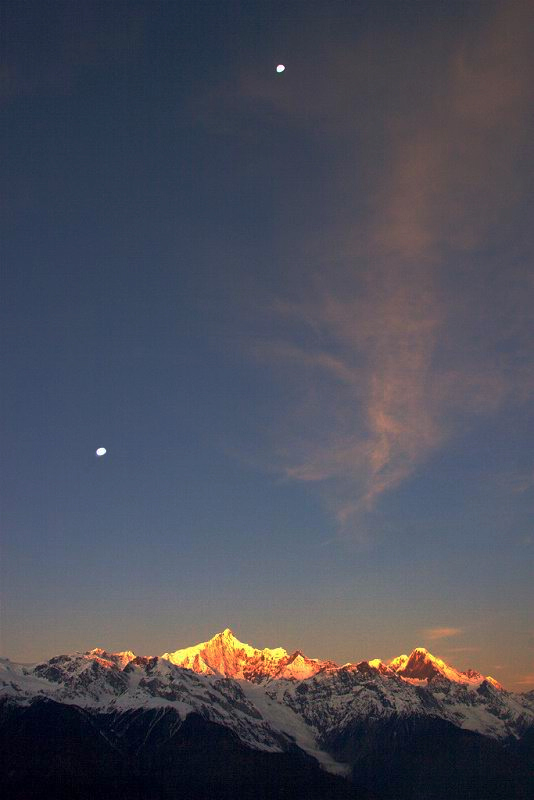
(273, 700)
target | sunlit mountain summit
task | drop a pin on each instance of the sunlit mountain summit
(348, 721)
(421, 665)
(226, 655)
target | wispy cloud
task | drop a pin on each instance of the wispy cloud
(526, 680)
(417, 326)
(442, 633)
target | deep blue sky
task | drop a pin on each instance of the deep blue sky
(297, 311)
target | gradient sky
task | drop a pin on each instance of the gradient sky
(296, 309)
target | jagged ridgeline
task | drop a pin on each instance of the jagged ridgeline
(223, 719)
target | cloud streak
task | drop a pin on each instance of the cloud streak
(526, 680)
(411, 325)
(434, 634)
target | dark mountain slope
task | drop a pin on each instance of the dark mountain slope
(431, 759)
(57, 752)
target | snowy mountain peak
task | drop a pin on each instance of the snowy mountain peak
(271, 699)
(226, 636)
(421, 665)
(397, 663)
(121, 659)
(225, 655)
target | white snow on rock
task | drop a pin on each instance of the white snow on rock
(271, 699)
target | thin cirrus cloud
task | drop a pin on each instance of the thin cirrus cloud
(417, 328)
(434, 634)
(526, 680)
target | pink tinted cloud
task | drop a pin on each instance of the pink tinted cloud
(526, 680)
(392, 355)
(442, 633)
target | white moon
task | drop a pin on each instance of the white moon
(101, 451)
(280, 68)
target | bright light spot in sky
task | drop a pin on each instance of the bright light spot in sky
(280, 68)
(101, 451)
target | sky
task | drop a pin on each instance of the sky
(296, 309)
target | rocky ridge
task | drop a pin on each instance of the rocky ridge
(273, 700)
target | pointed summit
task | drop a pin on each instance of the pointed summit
(226, 635)
(121, 659)
(225, 655)
(422, 665)
(398, 663)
